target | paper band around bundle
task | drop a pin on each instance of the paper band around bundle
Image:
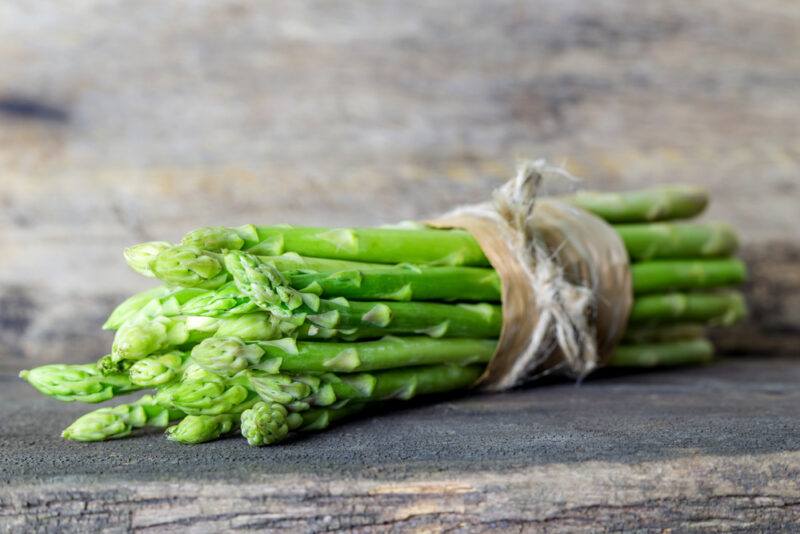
(567, 289)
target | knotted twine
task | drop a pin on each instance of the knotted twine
(566, 280)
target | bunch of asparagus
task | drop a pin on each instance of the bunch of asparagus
(270, 330)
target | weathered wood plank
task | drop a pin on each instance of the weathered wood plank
(715, 448)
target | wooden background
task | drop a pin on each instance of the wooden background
(127, 121)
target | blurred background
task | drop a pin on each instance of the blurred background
(122, 122)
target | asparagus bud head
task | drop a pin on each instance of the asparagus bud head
(265, 424)
(137, 340)
(141, 256)
(106, 423)
(205, 394)
(263, 283)
(82, 383)
(188, 266)
(214, 238)
(201, 428)
(225, 356)
(155, 371)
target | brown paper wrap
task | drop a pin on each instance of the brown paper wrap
(566, 280)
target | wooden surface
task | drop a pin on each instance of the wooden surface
(713, 448)
(122, 122)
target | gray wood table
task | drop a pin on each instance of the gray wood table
(688, 449)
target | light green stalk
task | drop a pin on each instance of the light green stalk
(386, 353)
(404, 283)
(81, 383)
(687, 352)
(360, 319)
(659, 276)
(378, 245)
(119, 421)
(301, 392)
(191, 266)
(657, 204)
(677, 240)
(657, 334)
(390, 352)
(717, 308)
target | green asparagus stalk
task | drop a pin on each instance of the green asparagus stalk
(390, 245)
(656, 334)
(389, 352)
(78, 383)
(404, 284)
(464, 283)
(454, 320)
(300, 392)
(668, 275)
(120, 421)
(716, 308)
(693, 351)
(378, 245)
(677, 240)
(658, 204)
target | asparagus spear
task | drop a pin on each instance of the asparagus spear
(456, 320)
(119, 421)
(667, 275)
(300, 392)
(686, 352)
(379, 245)
(389, 352)
(721, 307)
(658, 204)
(657, 334)
(677, 240)
(464, 283)
(81, 383)
(643, 241)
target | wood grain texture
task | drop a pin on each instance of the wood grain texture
(122, 122)
(715, 449)
(686, 495)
